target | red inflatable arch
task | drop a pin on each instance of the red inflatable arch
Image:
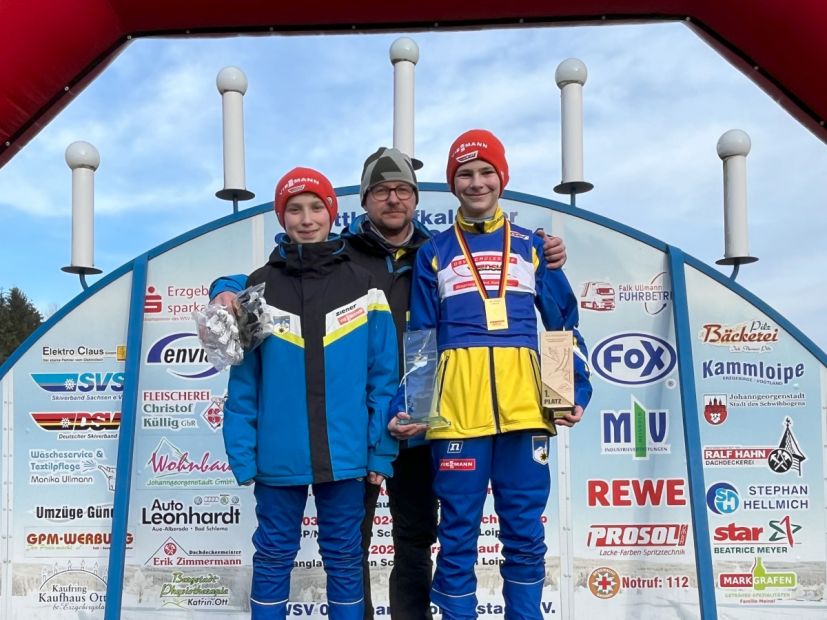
(51, 49)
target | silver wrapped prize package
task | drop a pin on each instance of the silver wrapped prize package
(227, 333)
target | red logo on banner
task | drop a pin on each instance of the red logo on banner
(735, 580)
(715, 408)
(604, 582)
(633, 535)
(636, 492)
(153, 302)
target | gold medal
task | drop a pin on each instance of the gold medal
(495, 315)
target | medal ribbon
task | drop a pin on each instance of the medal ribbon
(506, 255)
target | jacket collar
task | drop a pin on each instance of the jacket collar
(308, 258)
(363, 235)
(482, 226)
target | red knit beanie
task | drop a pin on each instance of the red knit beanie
(477, 144)
(301, 180)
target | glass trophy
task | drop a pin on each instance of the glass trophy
(419, 380)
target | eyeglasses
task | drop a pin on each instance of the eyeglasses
(403, 192)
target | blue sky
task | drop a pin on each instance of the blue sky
(656, 102)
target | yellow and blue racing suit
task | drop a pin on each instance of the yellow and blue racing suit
(488, 388)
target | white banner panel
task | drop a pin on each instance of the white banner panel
(64, 408)
(620, 500)
(760, 395)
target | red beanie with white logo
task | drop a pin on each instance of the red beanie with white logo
(477, 144)
(304, 180)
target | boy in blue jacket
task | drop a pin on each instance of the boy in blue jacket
(478, 285)
(309, 406)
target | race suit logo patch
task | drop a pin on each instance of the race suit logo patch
(457, 464)
(539, 449)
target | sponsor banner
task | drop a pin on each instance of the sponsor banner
(80, 385)
(786, 400)
(68, 513)
(633, 359)
(174, 302)
(629, 540)
(736, 456)
(78, 425)
(629, 499)
(484, 608)
(82, 353)
(637, 431)
(787, 457)
(81, 467)
(755, 336)
(606, 583)
(773, 537)
(153, 401)
(172, 466)
(178, 516)
(172, 553)
(781, 459)
(630, 504)
(753, 372)
(213, 414)
(724, 498)
(64, 396)
(763, 437)
(168, 423)
(180, 410)
(637, 492)
(215, 499)
(758, 585)
(653, 295)
(716, 409)
(205, 590)
(77, 586)
(181, 355)
(76, 541)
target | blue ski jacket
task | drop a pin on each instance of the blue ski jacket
(310, 404)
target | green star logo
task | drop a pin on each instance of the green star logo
(784, 530)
